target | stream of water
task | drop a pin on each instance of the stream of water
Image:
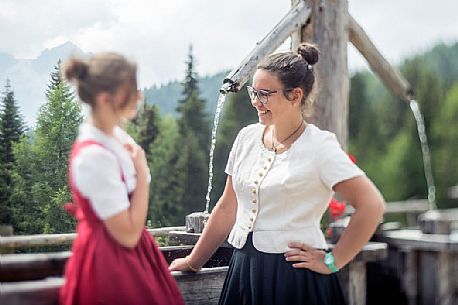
(426, 154)
(219, 107)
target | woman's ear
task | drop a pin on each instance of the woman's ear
(103, 98)
(296, 95)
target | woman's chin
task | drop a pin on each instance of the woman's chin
(264, 120)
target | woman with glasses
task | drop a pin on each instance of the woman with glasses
(282, 173)
(114, 259)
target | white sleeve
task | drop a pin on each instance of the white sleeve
(97, 176)
(230, 161)
(334, 165)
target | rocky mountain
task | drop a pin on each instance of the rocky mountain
(29, 77)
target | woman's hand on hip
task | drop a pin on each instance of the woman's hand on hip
(304, 256)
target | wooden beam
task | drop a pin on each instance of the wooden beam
(395, 207)
(327, 28)
(293, 20)
(39, 240)
(202, 288)
(389, 75)
(37, 266)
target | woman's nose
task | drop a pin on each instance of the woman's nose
(255, 101)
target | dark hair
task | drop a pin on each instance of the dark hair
(295, 70)
(104, 72)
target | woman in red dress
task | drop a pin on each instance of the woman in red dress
(114, 259)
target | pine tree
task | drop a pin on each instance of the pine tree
(445, 131)
(11, 129)
(44, 183)
(191, 107)
(190, 153)
(145, 127)
(190, 83)
(167, 184)
(12, 126)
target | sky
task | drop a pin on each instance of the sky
(157, 33)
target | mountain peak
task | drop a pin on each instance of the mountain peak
(61, 51)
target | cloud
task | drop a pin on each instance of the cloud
(157, 33)
(30, 26)
(402, 28)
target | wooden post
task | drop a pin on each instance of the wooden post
(195, 222)
(328, 29)
(389, 75)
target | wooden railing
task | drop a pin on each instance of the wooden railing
(40, 240)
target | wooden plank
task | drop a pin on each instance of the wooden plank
(394, 207)
(177, 238)
(453, 192)
(390, 76)
(415, 239)
(195, 222)
(36, 266)
(203, 288)
(39, 240)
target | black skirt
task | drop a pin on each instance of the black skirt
(258, 278)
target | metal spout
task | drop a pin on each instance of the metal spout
(228, 86)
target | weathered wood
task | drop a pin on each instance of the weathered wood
(390, 76)
(426, 265)
(409, 206)
(352, 279)
(195, 222)
(45, 292)
(292, 21)
(202, 288)
(39, 240)
(328, 29)
(453, 192)
(178, 238)
(409, 276)
(432, 222)
(412, 209)
(6, 230)
(27, 267)
(417, 240)
(436, 281)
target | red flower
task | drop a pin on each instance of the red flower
(336, 208)
(352, 158)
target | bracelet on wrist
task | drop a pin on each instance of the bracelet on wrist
(189, 265)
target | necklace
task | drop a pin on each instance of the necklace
(274, 147)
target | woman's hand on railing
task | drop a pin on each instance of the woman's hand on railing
(183, 264)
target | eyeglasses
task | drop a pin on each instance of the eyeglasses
(262, 94)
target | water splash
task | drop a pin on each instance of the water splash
(426, 154)
(219, 107)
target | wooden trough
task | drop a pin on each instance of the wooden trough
(36, 278)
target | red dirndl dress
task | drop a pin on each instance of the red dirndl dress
(101, 271)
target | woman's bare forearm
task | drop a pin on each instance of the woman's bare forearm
(217, 229)
(127, 226)
(369, 207)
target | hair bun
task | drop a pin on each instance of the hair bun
(309, 52)
(76, 69)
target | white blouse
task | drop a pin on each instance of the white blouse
(282, 197)
(96, 170)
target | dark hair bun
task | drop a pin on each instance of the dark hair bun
(76, 69)
(309, 52)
